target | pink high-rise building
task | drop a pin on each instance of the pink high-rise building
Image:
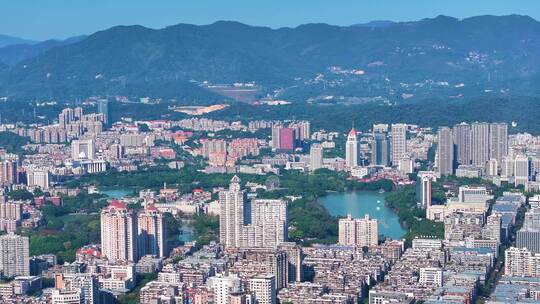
(287, 139)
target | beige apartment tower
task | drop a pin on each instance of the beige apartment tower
(231, 218)
(480, 143)
(268, 227)
(14, 255)
(119, 232)
(399, 142)
(152, 233)
(462, 141)
(445, 151)
(358, 232)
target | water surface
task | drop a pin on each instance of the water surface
(117, 193)
(360, 203)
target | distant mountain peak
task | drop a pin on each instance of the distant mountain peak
(228, 23)
(15, 53)
(440, 19)
(376, 24)
(445, 18)
(6, 40)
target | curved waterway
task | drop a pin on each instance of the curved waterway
(360, 203)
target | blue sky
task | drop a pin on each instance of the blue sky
(43, 19)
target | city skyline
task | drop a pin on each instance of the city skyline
(264, 222)
(202, 151)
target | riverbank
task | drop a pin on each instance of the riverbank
(403, 202)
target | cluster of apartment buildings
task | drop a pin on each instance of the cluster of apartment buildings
(131, 243)
(223, 154)
(254, 262)
(521, 279)
(16, 213)
(291, 136)
(433, 271)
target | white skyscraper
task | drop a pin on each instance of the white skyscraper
(358, 232)
(351, 150)
(82, 149)
(223, 286)
(268, 226)
(14, 255)
(480, 143)
(492, 229)
(425, 191)
(521, 170)
(119, 232)
(507, 167)
(462, 141)
(498, 141)
(264, 289)
(276, 138)
(399, 142)
(445, 152)
(231, 219)
(315, 157)
(492, 167)
(152, 233)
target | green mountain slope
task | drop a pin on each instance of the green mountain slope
(436, 56)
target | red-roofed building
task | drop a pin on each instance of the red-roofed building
(116, 204)
(167, 153)
(53, 200)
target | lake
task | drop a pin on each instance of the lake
(116, 193)
(361, 202)
(187, 234)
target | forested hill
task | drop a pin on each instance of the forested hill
(443, 56)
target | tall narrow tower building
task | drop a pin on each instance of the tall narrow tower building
(445, 151)
(399, 142)
(152, 239)
(231, 219)
(119, 232)
(351, 150)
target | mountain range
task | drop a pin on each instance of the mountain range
(442, 57)
(6, 40)
(14, 53)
